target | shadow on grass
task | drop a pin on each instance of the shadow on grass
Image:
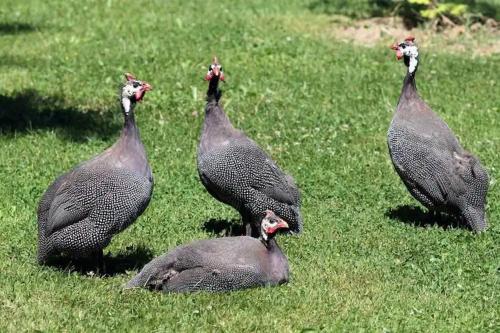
(224, 228)
(13, 28)
(29, 111)
(417, 217)
(9, 61)
(129, 259)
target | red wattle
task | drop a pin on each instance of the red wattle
(271, 230)
(139, 95)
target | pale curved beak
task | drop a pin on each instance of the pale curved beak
(216, 71)
(282, 225)
(146, 86)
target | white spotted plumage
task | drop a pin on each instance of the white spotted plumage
(84, 208)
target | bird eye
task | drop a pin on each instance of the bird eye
(220, 68)
(136, 84)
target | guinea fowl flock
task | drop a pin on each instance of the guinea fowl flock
(84, 208)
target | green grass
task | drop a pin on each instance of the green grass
(321, 108)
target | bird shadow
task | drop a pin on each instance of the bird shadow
(9, 61)
(224, 228)
(13, 28)
(126, 260)
(29, 111)
(417, 217)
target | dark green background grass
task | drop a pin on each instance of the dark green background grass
(321, 108)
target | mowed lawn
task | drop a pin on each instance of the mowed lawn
(369, 258)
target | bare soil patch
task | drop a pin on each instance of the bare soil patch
(478, 39)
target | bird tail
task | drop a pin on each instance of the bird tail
(475, 218)
(141, 280)
(45, 246)
(153, 273)
(297, 224)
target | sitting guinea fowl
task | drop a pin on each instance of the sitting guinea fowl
(236, 171)
(82, 210)
(221, 264)
(435, 168)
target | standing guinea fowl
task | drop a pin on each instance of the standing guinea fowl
(236, 171)
(435, 168)
(221, 264)
(85, 207)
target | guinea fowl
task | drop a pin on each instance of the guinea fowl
(435, 168)
(236, 171)
(221, 264)
(82, 210)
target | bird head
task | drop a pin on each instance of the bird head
(134, 89)
(214, 70)
(270, 224)
(408, 50)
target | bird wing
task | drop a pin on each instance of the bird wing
(96, 191)
(224, 278)
(48, 198)
(426, 165)
(232, 169)
(271, 188)
(274, 183)
(268, 178)
(65, 208)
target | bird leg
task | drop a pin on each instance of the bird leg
(252, 228)
(430, 217)
(251, 225)
(247, 225)
(99, 260)
(248, 229)
(255, 231)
